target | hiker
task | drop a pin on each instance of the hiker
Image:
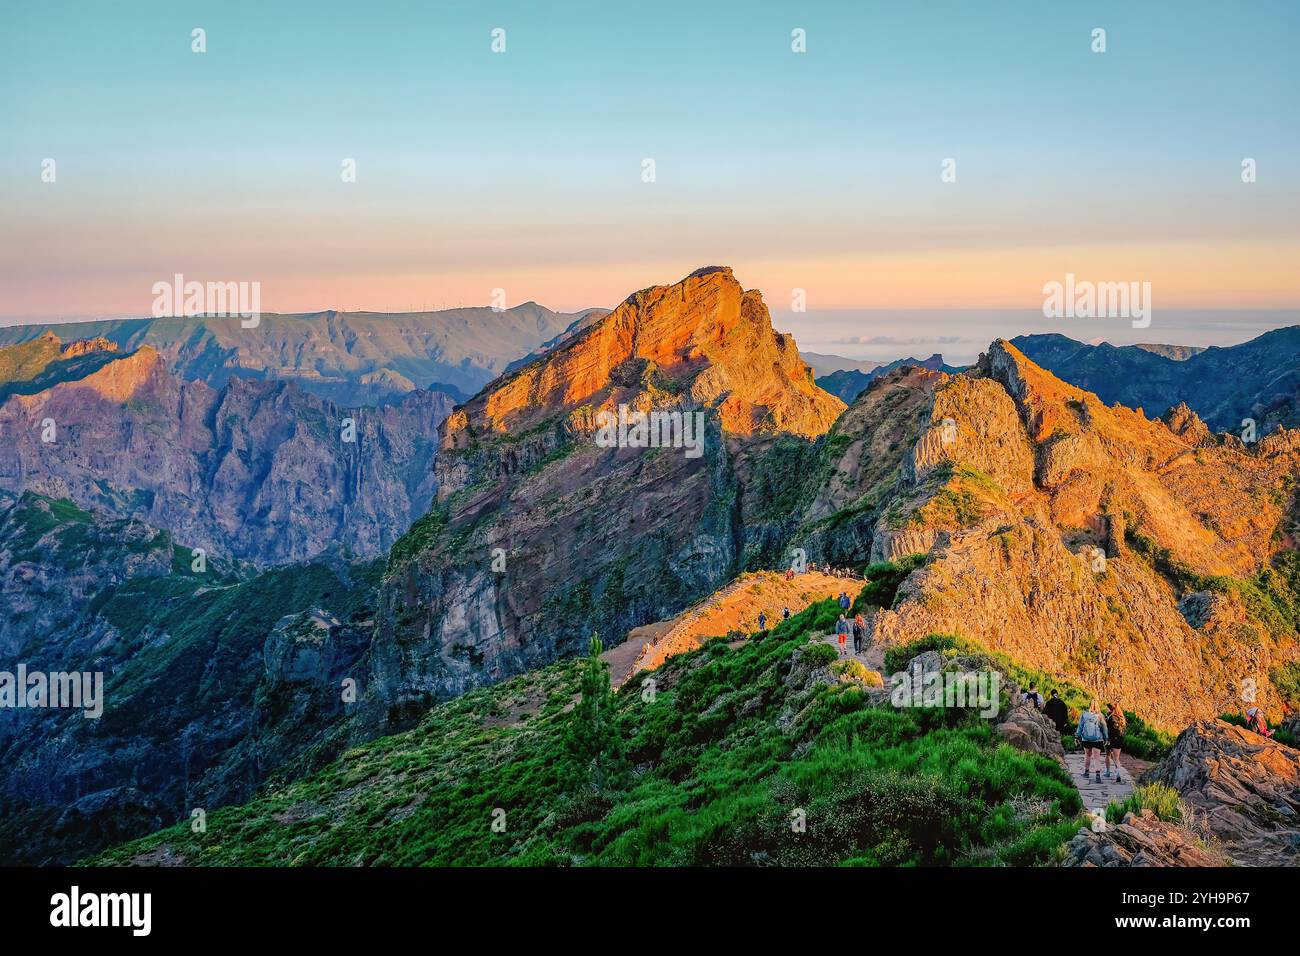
(842, 630)
(785, 614)
(1091, 732)
(1116, 724)
(1032, 696)
(1057, 712)
(762, 621)
(844, 600)
(1256, 721)
(859, 632)
(789, 574)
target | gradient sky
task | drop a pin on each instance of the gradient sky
(522, 170)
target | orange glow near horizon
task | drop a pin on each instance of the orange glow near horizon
(1199, 275)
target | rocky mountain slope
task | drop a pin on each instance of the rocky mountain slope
(256, 470)
(351, 358)
(1149, 562)
(583, 536)
(213, 681)
(1259, 379)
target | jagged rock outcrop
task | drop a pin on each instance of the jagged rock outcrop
(1018, 479)
(1140, 840)
(1243, 788)
(1185, 423)
(258, 471)
(544, 533)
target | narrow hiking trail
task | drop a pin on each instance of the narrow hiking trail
(873, 657)
(1096, 796)
(733, 608)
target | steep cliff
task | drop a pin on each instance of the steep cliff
(256, 470)
(544, 531)
(213, 681)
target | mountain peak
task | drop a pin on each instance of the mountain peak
(702, 342)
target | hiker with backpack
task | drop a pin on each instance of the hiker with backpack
(785, 614)
(1091, 733)
(842, 630)
(1057, 712)
(1256, 721)
(762, 621)
(1032, 696)
(859, 632)
(1116, 724)
(844, 601)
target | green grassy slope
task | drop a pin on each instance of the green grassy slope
(720, 764)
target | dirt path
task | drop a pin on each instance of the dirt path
(734, 607)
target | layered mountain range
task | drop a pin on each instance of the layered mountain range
(256, 470)
(352, 358)
(1149, 561)
(1258, 380)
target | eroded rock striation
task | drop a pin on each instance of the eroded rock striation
(259, 471)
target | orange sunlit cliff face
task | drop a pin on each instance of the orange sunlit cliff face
(703, 339)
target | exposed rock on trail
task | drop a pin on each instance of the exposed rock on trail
(1140, 840)
(1245, 789)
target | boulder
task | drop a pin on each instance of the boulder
(1243, 788)
(1028, 728)
(1140, 840)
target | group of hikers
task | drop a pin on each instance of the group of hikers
(1098, 733)
(762, 618)
(833, 572)
(857, 626)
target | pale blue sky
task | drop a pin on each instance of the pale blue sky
(522, 170)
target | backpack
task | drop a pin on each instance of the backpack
(1090, 726)
(1116, 723)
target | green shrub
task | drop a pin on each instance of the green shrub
(1144, 741)
(705, 772)
(896, 658)
(820, 655)
(883, 581)
(1286, 681)
(1161, 800)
